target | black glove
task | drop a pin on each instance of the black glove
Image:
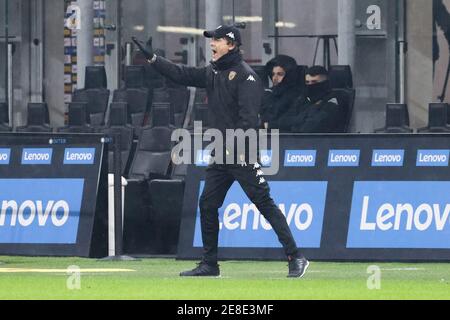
(148, 50)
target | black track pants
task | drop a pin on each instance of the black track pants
(219, 179)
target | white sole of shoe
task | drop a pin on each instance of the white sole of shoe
(304, 270)
(303, 273)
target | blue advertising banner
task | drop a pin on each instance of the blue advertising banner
(5, 156)
(79, 156)
(242, 225)
(37, 156)
(53, 194)
(300, 158)
(343, 158)
(44, 211)
(388, 158)
(432, 158)
(407, 214)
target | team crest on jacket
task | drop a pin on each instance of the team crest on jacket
(232, 75)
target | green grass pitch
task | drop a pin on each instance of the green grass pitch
(46, 278)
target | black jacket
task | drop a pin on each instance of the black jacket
(323, 116)
(279, 101)
(233, 88)
(277, 104)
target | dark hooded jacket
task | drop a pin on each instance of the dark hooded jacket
(279, 100)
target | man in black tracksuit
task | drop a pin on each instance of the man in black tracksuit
(234, 99)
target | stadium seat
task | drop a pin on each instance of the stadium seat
(161, 95)
(151, 161)
(77, 119)
(118, 125)
(160, 115)
(437, 119)
(37, 119)
(340, 77)
(4, 118)
(346, 100)
(201, 113)
(179, 102)
(95, 78)
(397, 119)
(179, 172)
(138, 104)
(152, 157)
(134, 77)
(96, 104)
(136, 221)
(5, 128)
(166, 204)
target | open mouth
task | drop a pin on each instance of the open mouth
(214, 53)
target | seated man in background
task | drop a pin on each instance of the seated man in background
(318, 111)
(285, 90)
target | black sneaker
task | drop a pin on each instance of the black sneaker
(202, 270)
(297, 267)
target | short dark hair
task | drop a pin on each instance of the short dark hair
(232, 42)
(316, 71)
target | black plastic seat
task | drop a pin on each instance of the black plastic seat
(77, 119)
(346, 100)
(341, 77)
(135, 77)
(161, 95)
(397, 119)
(4, 118)
(118, 125)
(153, 154)
(179, 102)
(201, 113)
(95, 78)
(437, 119)
(138, 101)
(5, 128)
(37, 119)
(96, 104)
(166, 203)
(160, 116)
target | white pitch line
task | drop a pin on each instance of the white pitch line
(24, 270)
(403, 269)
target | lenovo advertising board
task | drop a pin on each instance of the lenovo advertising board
(345, 197)
(52, 195)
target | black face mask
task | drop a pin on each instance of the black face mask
(318, 90)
